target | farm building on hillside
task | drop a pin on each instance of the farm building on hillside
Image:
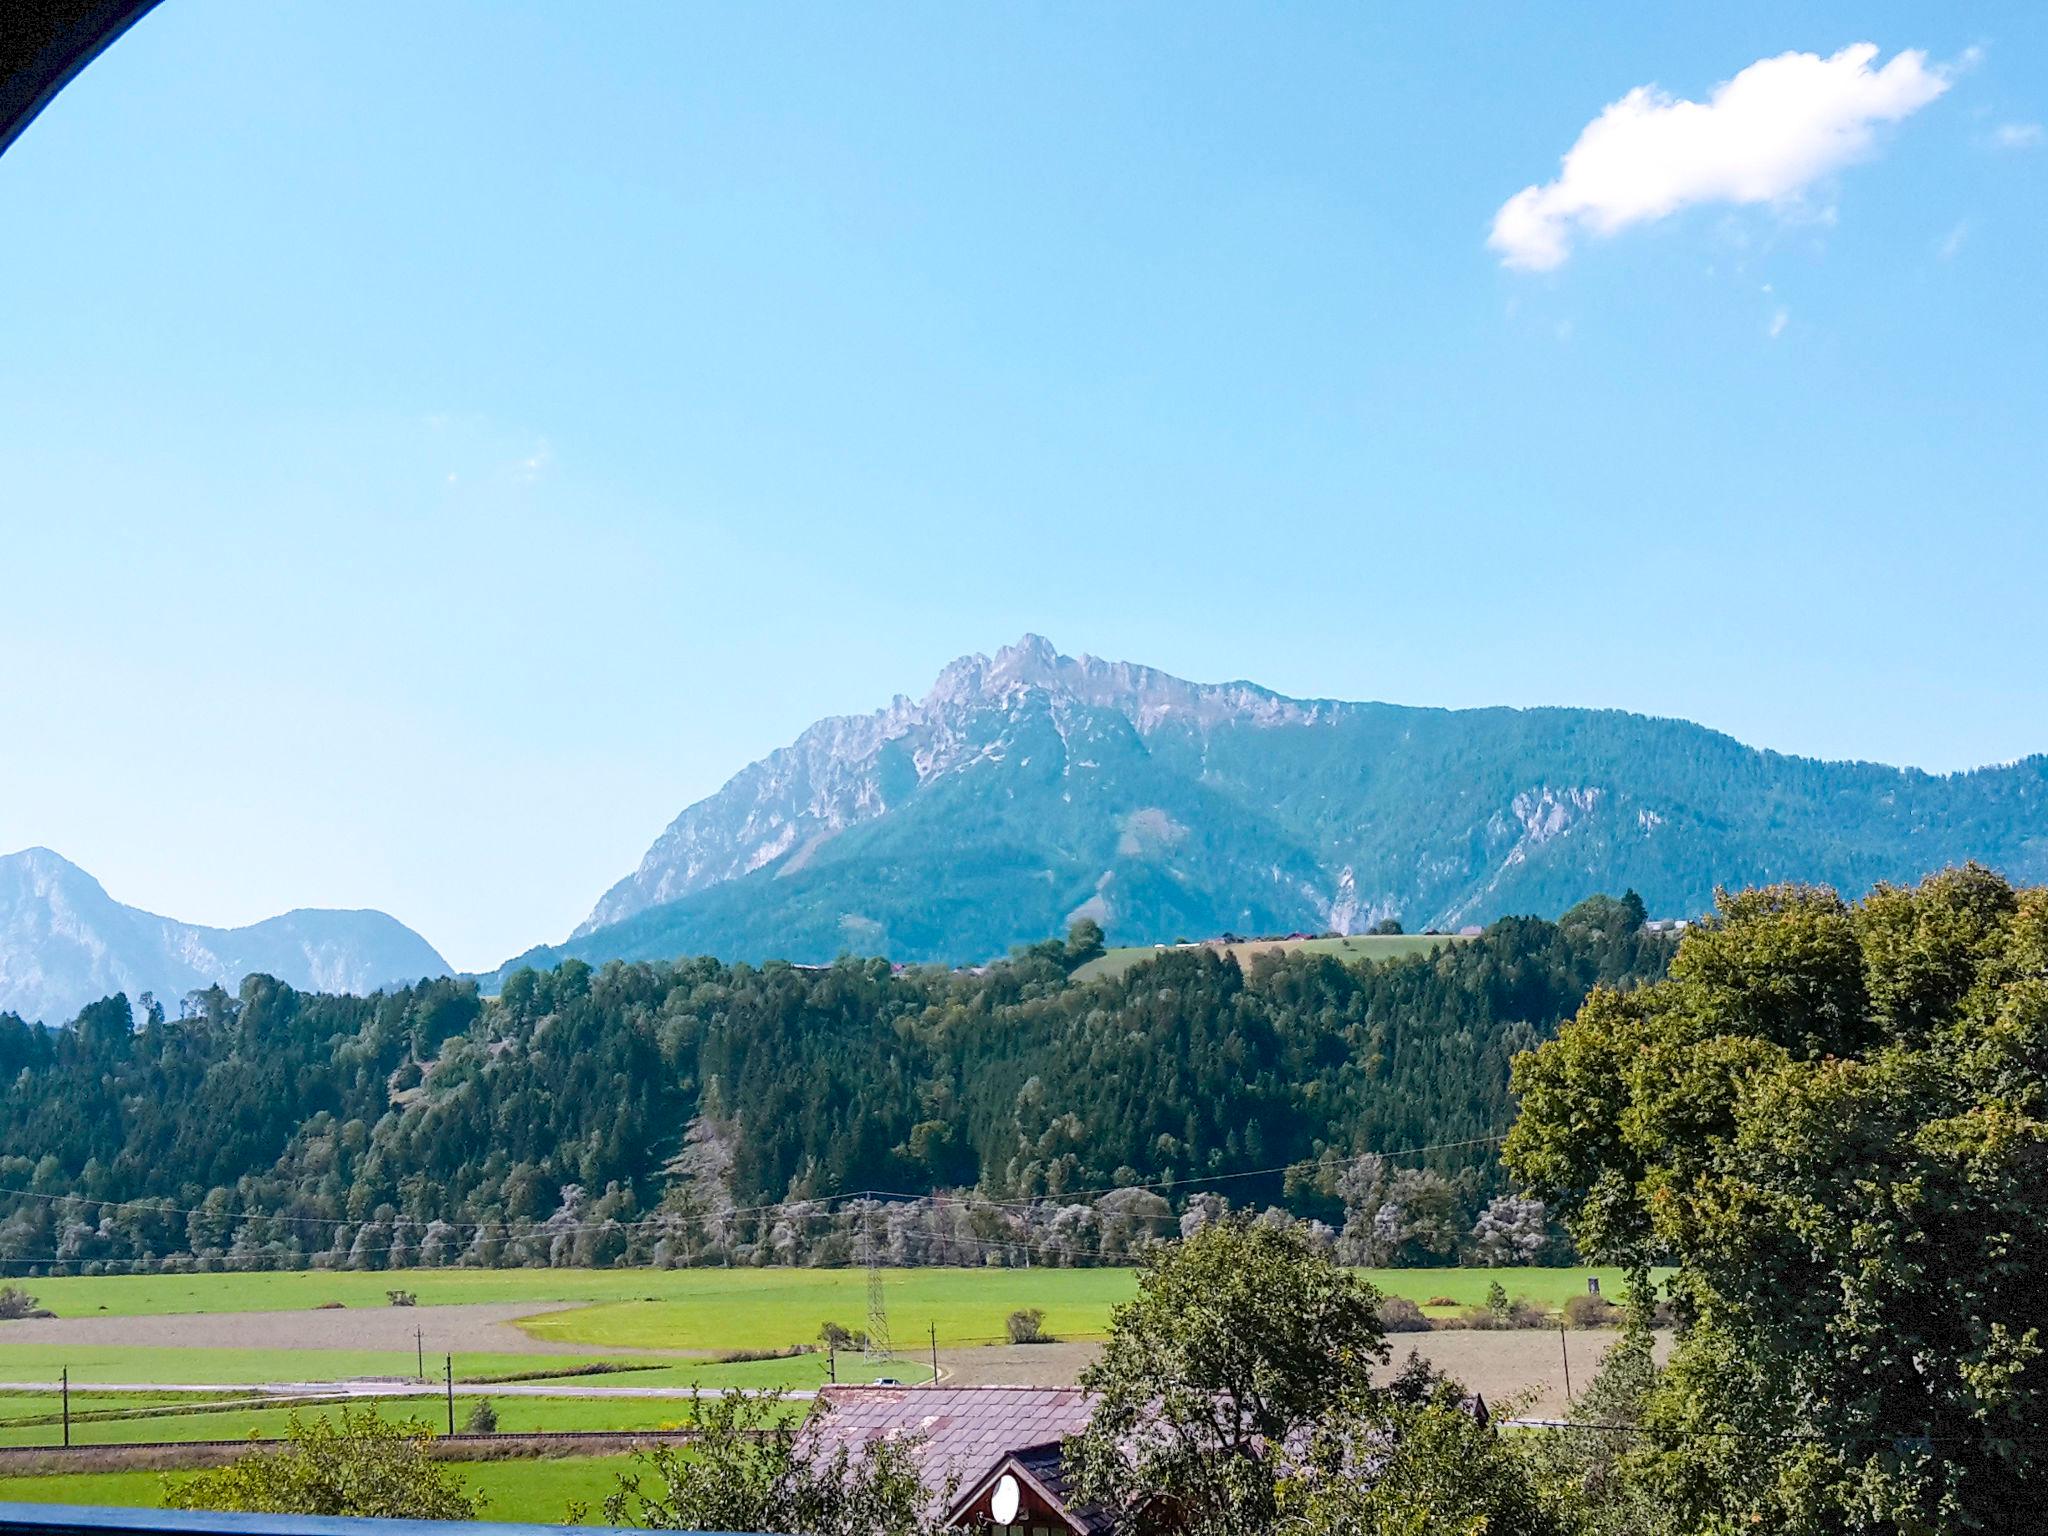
(997, 1448)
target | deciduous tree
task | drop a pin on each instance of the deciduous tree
(1833, 1120)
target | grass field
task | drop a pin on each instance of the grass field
(1350, 949)
(90, 1365)
(679, 1309)
(27, 1420)
(539, 1489)
(126, 1332)
(766, 1308)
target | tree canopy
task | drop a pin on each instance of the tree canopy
(1832, 1118)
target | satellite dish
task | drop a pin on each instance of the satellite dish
(1003, 1503)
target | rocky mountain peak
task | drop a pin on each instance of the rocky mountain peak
(1030, 785)
(64, 943)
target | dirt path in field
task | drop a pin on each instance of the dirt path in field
(466, 1329)
(1498, 1366)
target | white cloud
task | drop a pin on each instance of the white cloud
(1780, 318)
(2018, 135)
(1952, 242)
(1763, 137)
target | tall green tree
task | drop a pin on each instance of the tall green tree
(1240, 1340)
(751, 1465)
(1833, 1120)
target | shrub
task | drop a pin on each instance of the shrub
(1524, 1313)
(401, 1298)
(1497, 1301)
(834, 1336)
(1483, 1319)
(1440, 1301)
(356, 1464)
(1591, 1312)
(1400, 1315)
(1027, 1326)
(482, 1420)
(15, 1302)
(738, 1356)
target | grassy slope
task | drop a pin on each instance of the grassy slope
(1356, 947)
(538, 1490)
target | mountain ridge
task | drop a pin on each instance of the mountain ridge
(1031, 787)
(65, 943)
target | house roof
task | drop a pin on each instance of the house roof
(1043, 1469)
(963, 1430)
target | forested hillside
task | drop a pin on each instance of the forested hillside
(627, 1113)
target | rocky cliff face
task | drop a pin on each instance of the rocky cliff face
(64, 943)
(1032, 787)
(854, 768)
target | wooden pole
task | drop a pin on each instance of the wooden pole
(935, 1353)
(448, 1376)
(67, 1405)
(1565, 1350)
(419, 1345)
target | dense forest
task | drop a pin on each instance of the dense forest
(702, 1112)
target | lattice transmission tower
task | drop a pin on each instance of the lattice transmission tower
(878, 1343)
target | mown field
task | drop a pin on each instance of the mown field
(538, 1489)
(662, 1326)
(765, 1309)
(1350, 949)
(33, 1419)
(678, 1309)
(106, 1364)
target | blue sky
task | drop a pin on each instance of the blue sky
(439, 442)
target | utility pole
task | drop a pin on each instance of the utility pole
(1565, 1349)
(419, 1346)
(67, 1405)
(832, 1363)
(934, 1327)
(448, 1375)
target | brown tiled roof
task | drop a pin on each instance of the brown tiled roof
(964, 1430)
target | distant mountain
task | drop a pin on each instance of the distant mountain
(1033, 788)
(64, 943)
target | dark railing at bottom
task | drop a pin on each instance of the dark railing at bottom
(91, 1520)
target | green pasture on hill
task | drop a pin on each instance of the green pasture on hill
(1350, 949)
(538, 1489)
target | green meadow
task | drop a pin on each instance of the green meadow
(142, 1364)
(769, 1308)
(701, 1310)
(538, 1489)
(1350, 949)
(33, 1421)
